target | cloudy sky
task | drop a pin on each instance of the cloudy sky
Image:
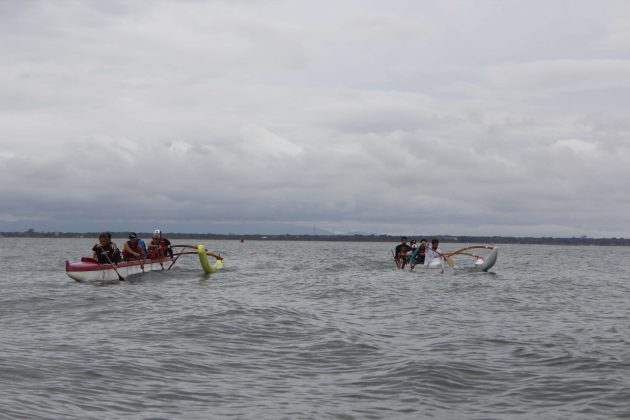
(262, 116)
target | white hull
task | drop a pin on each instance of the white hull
(87, 271)
(488, 262)
(482, 263)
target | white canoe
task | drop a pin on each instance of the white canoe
(481, 263)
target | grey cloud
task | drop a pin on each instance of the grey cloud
(387, 118)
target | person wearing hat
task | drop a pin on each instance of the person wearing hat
(159, 247)
(133, 248)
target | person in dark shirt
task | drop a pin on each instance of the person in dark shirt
(400, 255)
(105, 251)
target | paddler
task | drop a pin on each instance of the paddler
(106, 252)
(419, 254)
(433, 252)
(133, 248)
(159, 247)
(401, 253)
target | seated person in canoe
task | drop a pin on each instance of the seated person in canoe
(133, 250)
(400, 255)
(419, 254)
(106, 252)
(433, 252)
(159, 247)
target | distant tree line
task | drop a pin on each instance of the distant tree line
(547, 240)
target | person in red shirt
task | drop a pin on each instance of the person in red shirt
(159, 247)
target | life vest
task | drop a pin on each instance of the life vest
(135, 248)
(162, 244)
(110, 251)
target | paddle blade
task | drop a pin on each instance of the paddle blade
(449, 261)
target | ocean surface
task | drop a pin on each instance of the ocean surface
(294, 330)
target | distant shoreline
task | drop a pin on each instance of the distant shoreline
(340, 238)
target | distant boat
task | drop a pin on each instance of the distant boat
(481, 263)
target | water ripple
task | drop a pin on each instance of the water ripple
(331, 331)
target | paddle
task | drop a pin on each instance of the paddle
(121, 278)
(181, 253)
(144, 257)
(175, 260)
(448, 259)
(395, 259)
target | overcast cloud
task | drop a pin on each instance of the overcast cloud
(403, 117)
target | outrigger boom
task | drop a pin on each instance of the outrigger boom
(481, 263)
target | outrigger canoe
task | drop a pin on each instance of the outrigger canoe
(481, 263)
(88, 269)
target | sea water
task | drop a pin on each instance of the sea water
(316, 330)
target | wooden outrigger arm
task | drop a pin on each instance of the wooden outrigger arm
(460, 251)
